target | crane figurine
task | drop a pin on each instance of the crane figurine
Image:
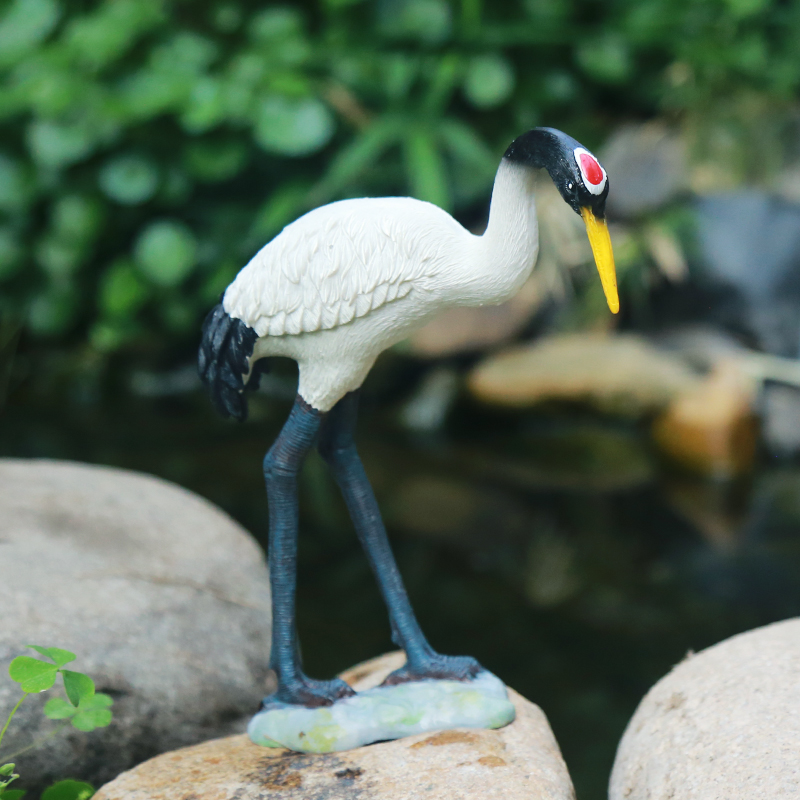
(332, 291)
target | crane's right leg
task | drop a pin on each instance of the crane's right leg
(337, 447)
(281, 466)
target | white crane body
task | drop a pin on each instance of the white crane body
(346, 281)
(333, 290)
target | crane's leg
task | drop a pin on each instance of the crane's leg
(281, 466)
(337, 447)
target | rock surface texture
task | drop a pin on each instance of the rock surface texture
(723, 725)
(164, 599)
(521, 760)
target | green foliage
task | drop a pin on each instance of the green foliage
(90, 712)
(152, 146)
(86, 710)
(7, 777)
(68, 790)
(32, 675)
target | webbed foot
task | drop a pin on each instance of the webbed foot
(436, 667)
(305, 691)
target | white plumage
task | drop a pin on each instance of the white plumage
(347, 280)
(332, 291)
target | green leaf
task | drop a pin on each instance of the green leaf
(361, 154)
(606, 58)
(79, 687)
(10, 253)
(129, 179)
(442, 82)
(745, 8)
(76, 217)
(216, 161)
(489, 81)
(429, 21)
(98, 700)
(57, 708)
(283, 206)
(31, 674)
(276, 24)
(68, 790)
(60, 259)
(53, 311)
(293, 126)
(25, 23)
(108, 336)
(14, 188)
(466, 146)
(13, 794)
(205, 106)
(104, 34)
(93, 713)
(61, 657)
(89, 720)
(56, 146)
(426, 170)
(166, 252)
(122, 291)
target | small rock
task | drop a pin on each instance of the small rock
(164, 599)
(722, 724)
(750, 240)
(647, 165)
(620, 374)
(711, 428)
(780, 412)
(521, 760)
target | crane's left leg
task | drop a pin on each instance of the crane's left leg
(337, 447)
(281, 466)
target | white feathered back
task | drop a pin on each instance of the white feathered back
(339, 262)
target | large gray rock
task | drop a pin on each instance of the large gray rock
(518, 762)
(163, 597)
(723, 725)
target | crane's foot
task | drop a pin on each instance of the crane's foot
(436, 667)
(308, 692)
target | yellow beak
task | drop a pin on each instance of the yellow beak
(603, 256)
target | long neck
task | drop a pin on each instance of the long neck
(509, 247)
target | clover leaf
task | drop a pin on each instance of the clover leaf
(93, 712)
(8, 776)
(56, 654)
(68, 790)
(77, 685)
(57, 708)
(32, 675)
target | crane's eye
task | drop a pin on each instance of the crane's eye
(592, 174)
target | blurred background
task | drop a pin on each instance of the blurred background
(576, 499)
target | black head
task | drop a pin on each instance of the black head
(577, 174)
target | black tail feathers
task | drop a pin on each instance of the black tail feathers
(223, 361)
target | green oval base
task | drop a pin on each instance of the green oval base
(386, 712)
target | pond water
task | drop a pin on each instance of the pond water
(554, 546)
